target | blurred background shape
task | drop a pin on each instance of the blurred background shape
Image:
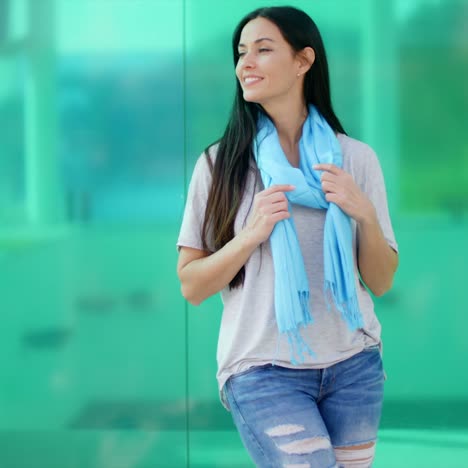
(105, 105)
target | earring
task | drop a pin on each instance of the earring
(298, 74)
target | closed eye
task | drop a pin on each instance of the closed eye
(241, 54)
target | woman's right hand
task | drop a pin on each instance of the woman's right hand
(203, 274)
(269, 207)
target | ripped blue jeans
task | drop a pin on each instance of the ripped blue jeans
(300, 418)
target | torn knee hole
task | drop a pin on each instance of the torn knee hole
(303, 446)
(297, 447)
(362, 454)
(284, 429)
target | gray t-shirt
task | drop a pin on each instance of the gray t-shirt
(248, 334)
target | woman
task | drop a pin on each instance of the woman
(283, 215)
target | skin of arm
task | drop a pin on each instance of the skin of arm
(377, 261)
(202, 274)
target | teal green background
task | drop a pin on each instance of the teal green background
(105, 106)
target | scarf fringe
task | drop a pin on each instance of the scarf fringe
(304, 300)
(298, 347)
(349, 308)
(299, 312)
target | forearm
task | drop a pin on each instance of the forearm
(377, 261)
(206, 276)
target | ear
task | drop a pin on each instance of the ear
(306, 58)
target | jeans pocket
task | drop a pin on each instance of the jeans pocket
(376, 349)
(250, 370)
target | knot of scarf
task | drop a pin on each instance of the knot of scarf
(318, 144)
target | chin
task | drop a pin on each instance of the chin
(253, 97)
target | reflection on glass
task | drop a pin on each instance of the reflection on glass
(12, 165)
(433, 71)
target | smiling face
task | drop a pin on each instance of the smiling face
(267, 68)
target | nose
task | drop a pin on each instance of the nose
(248, 60)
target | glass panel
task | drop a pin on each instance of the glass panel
(93, 320)
(398, 72)
(210, 85)
(432, 223)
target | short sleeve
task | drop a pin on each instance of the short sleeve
(374, 187)
(190, 234)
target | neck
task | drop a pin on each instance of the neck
(288, 122)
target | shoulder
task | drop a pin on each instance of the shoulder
(208, 156)
(355, 150)
(359, 159)
(203, 167)
(357, 155)
(212, 152)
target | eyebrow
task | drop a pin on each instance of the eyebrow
(257, 41)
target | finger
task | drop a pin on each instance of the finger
(266, 206)
(328, 186)
(276, 197)
(334, 198)
(280, 216)
(279, 188)
(267, 201)
(328, 167)
(280, 206)
(269, 208)
(328, 177)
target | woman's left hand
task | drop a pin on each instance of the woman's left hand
(339, 188)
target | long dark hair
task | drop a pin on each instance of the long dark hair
(235, 152)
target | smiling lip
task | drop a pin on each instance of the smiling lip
(251, 80)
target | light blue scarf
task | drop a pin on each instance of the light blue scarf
(318, 144)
